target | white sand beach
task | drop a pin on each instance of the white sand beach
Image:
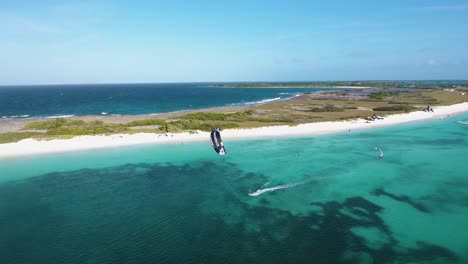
(34, 147)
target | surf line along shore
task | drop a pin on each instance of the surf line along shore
(36, 147)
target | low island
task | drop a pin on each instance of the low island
(307, 114)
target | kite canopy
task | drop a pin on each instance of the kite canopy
(217, 142)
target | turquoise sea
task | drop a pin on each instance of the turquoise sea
(337, 202)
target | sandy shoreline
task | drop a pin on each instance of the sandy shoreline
(34, 147)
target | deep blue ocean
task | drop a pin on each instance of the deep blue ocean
(131, 99)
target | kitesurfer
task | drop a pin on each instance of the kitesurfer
(250, 189)
(381, 152)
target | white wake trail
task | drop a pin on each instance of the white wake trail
(290, 185)
(279, 187)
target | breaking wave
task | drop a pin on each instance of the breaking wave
(258, 102)
(59, 116)
(15, 116)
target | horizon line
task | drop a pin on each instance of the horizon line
(203, 82)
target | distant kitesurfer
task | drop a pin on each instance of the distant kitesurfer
(250, 189)
(380, 151)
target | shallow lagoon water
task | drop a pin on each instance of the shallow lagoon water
(182, 203)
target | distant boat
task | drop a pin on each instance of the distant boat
(217, 142)
(104, 113)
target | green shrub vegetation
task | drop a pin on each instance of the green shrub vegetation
(245, 116)
(62, 126)
(349, 118)
(403, 108)
(186, 125)
(383, 95)
(205, 116)
(88, 128)
(209, 116)
(53, 124)
(271, 120)
(17, 136)
(146, 122)
(327, 108)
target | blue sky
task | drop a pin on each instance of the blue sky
(46, 41)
